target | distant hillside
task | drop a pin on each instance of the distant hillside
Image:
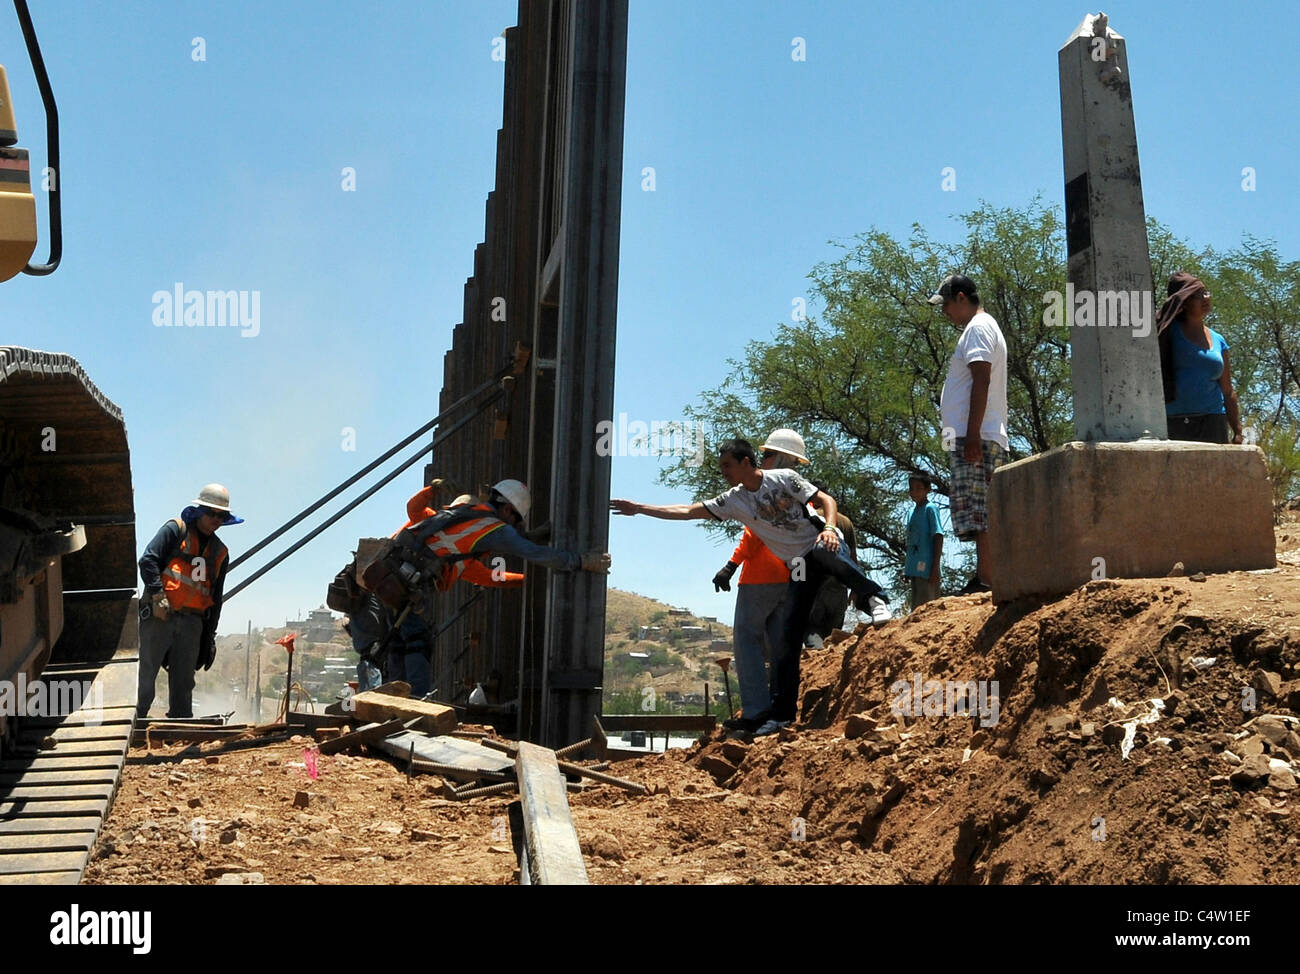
(676, 652)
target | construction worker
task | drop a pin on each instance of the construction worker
(479, 528)
(774, 504)
(183, 569)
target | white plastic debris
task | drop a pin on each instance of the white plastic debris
(1277, 764)
(1200, 663)
(1131, 725)
(965, 755)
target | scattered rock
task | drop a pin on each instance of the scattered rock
(213, 872)
(1267, 684)
(718, 767)
(1251, 771)
(301, 800)
(602, 845)
(1061, 723)
(419, 835)
(1045, 777)
(1177, 571)
(1198, 577)
(1282, 779)
(1087, 728)
(979, 739)
(212, 759)
(735, 751)
(887, 735)
(1272, 729)
(229, 836)
(858, 725)
(241, 879)
(194, 802)
(1250, 747)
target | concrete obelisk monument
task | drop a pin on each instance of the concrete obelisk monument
(1114, 359)
(1121, 501)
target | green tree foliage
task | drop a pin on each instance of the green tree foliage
(862, 382)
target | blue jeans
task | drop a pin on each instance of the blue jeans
(760, 618)
(416, 647)
(818, 565)
(368, 676)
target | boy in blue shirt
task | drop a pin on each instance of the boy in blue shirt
(924, 543)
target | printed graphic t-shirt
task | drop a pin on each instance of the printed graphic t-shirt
(775, 512)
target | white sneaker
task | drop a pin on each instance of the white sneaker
(770, 727)
(880, 613)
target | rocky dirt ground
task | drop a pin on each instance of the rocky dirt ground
(1082, 777)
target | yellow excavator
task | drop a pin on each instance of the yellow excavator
(67, 556)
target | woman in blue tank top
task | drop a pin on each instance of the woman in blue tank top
(1200, 402)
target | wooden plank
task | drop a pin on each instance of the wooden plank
(446, 750)
(368, 734)
(64, 792)
(48, 842)
(42, 862)
(47, 777)
(83, 748)
(313, 722)
(164, 735)
(67, 878)
(658, 722)
(108, 732)
(37, 826)
(551, 842)
(373, 706)
(31, 809)
(53, 761)
(108, 716)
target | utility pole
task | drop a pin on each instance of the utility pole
(248, 651)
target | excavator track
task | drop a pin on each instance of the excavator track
(68, 629)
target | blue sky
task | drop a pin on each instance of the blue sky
(227, 174)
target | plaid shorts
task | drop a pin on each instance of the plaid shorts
(970, 487)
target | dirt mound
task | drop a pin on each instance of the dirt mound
(1025, 743)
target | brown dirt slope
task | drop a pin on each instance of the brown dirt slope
(1205, 796)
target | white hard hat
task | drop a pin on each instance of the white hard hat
(516, 492)
(214, 496)
(787, 441)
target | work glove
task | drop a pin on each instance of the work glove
(207, 652)
(161, 609)
(722, 580)
(596, 561)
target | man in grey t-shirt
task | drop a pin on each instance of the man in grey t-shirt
(773, 504)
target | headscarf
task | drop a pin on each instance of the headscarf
(193, 512)
(1182, 287)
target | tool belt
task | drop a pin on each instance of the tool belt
(404, 571)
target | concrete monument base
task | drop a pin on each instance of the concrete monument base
(1127, 510)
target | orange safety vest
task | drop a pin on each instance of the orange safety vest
(183, 591)
(459, 538)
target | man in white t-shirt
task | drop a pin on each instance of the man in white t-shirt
(774, 505)
(973, 413)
